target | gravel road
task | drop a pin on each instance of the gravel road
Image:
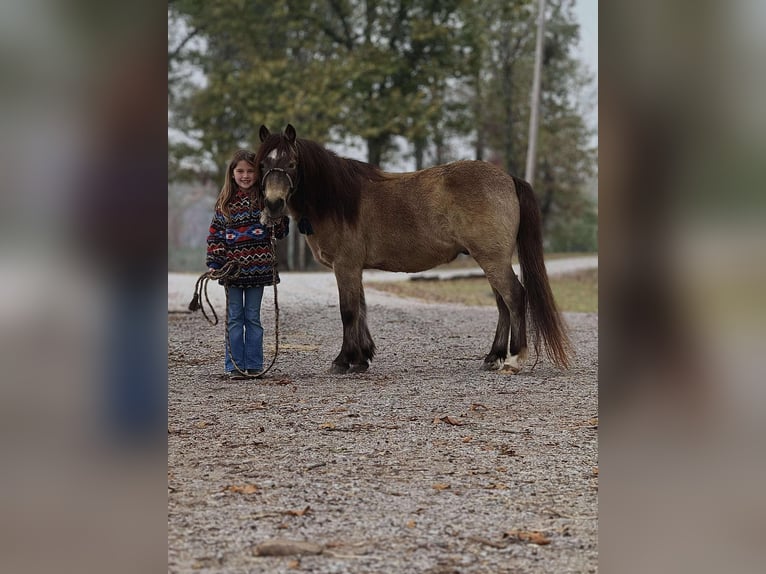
(423, 464)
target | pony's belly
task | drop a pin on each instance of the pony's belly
(414, 262)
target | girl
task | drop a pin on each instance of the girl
(237, 235)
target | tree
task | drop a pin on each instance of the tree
(502, 53)
(425, 70)
(374, 70)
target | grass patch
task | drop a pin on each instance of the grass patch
(577, 292)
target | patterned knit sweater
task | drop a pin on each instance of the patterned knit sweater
(245, 240)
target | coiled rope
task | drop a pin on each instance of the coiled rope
(230, 270)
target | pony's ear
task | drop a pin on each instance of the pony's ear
(290, 133)
(264, 133)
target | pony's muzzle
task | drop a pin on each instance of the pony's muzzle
(274, 207)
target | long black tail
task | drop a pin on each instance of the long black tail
(545, 316)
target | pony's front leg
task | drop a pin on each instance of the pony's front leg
(358, 347)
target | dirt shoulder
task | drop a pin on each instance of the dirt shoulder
(423, 464)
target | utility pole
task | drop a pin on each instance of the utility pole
(534, 105)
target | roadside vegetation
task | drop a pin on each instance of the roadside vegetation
(574, 292)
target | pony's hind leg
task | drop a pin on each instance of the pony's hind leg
(511, 324)
(495, 359)
(518, 343)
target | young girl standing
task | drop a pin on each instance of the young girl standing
(237, 235)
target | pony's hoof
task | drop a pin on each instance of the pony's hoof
(360, 368)
(337, 369)
(491, 364)
(512, 364)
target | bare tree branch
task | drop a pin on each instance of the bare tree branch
(173, 54)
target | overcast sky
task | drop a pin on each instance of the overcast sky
(587, 14)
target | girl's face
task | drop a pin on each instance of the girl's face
(244, 174)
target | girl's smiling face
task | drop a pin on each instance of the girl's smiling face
(244, 174)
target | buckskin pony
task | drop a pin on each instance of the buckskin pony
(357, 217)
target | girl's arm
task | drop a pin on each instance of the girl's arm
(216, 242)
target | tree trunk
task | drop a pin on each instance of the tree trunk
(547, 185)
(479, 117)
(420, 147)
(508, 148)
(302, 260)
(375, 148)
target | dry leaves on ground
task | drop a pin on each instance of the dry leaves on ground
(531, 536)
(242, 488)
(449, 420)
(301, 512)
(257, 406)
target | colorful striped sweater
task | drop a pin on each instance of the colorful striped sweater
(244, 239)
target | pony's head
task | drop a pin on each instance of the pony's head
(277, 162)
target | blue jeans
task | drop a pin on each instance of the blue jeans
(245, 329)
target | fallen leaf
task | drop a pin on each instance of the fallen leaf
(595, 471)
(440, 486)
(294, 564)
(202, 424)
(531, 536)
(492, 543)
(467, 438)
(242, 489)
(411, 524)
(479, 407)
(449, 420)
(298, 512)
(282, 547)
(260, 405)
(327, 426)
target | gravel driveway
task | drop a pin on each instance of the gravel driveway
(423, 464)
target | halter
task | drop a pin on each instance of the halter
(280, 170)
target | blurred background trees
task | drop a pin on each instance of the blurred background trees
(403, 84)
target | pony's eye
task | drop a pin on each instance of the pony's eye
(291, 165)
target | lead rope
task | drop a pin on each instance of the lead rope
(231, 270)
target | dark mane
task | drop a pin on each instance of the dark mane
(328, 185)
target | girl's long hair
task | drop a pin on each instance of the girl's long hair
(229, 185)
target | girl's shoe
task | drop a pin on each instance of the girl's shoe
(236, 376)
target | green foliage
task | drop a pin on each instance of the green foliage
(574, 292)
(574, 226)
(426, 70)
